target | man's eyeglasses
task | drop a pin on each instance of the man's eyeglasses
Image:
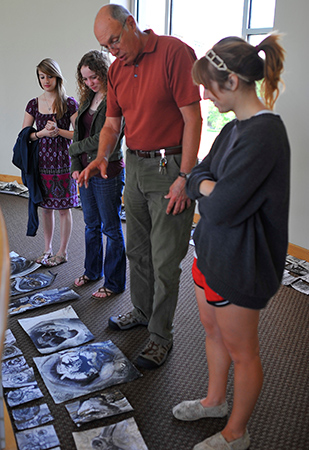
(115, 43)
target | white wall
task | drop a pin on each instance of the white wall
(292, 20)
(63, 29)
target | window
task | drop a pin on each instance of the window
(201, 26)
(258, 19)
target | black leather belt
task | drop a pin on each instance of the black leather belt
(154, 153)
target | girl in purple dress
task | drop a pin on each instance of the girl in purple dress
(54, 113)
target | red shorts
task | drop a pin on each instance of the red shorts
(211, 296)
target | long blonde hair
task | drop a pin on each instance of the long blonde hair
(51, 68)
(242, 58)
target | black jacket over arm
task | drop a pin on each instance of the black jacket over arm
(26, 158)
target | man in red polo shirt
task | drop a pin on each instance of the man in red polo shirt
(150, 85)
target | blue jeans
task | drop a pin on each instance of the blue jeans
(101, 203)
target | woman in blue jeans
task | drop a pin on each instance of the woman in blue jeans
(101, 200)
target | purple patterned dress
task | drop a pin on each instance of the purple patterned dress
(59, 188)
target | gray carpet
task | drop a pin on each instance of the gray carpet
(281, 418)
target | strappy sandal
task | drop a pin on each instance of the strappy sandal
(81, 281)
(102, 290)
(44, 258)
(55, 261)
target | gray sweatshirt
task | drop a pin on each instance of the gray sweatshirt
(241, 239)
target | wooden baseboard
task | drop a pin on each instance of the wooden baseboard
(8, 178)
(298, 252)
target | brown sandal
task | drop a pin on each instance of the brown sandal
(55, 261)
(82, 280)
(102, 290)
(44, 258)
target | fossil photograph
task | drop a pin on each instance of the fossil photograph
(32, 416)
(57, 330)
(123, 435)
(24, 377)
(48, 297)
(23, 395)
(40, 438)
(103, 405)
(21, 266)
(31, 282)
(82, 370)
(10, 350)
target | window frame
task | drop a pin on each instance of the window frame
(247, 31)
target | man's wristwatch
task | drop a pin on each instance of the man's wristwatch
(184, 175)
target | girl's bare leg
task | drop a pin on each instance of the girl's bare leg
(48, 226)
(239, 329)
(66, 224)
(218, 358)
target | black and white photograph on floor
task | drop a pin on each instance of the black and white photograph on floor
(31, 416)
(40, 299)
(23, 395)
(123, 435)
(10, 350)
(40, 438)
(56, 331)
(31, 282)
(82, 370)
(105, 404)
(13, 188)
(21, 266)
(16, 373)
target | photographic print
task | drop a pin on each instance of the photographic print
(23, 395)
(57, 330)
(9, 348)
(32, 416)
(48, 297)
(301, 286)
(103, 405)
(40, 438)
(16, 373)
(123, 435)
(31, 282)
(14, 365)
(21, 266)
(82, 370)
(287, 278)
(13, 188)
(9, 337)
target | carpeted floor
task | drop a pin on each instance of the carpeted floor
(281, 418)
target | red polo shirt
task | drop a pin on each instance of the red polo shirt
(150, 92)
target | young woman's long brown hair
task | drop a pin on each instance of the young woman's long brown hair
(99, 64)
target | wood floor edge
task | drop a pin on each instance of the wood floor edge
(8, 178)
(298, 252)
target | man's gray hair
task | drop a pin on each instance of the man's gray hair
(119, 12)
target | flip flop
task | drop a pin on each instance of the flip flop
(82, 280)
(102, 290)
(55, 261)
